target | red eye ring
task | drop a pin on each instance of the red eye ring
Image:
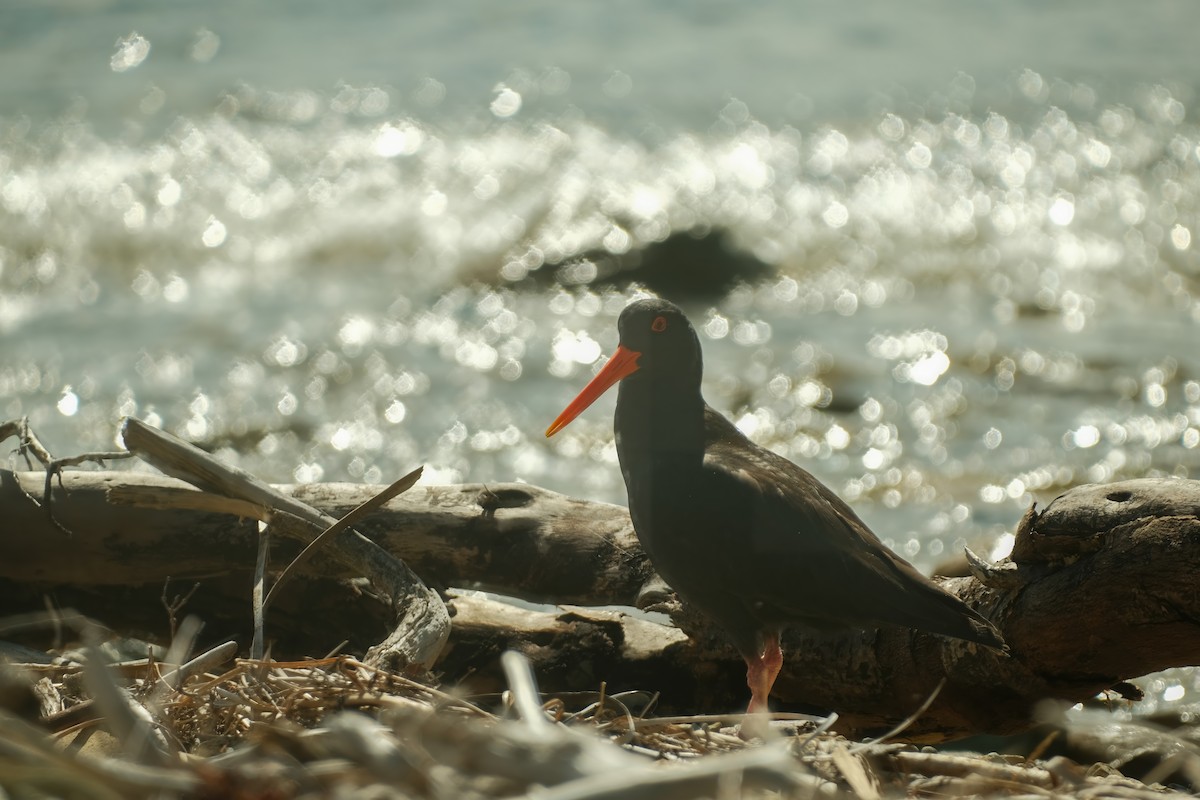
(659, 325)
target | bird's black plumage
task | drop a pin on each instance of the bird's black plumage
(751, 539)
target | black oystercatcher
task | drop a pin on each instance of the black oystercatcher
(751, 539)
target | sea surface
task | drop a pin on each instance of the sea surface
(954, 244)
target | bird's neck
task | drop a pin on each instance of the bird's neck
(658, 422)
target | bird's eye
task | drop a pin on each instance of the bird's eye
(659, 325)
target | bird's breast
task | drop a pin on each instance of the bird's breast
(686, 526)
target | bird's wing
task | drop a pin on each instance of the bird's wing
(787, 498)
(807, 554)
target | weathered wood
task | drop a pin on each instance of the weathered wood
(1099, 589)
(513, 538)
(421, 624)
(574, 648)
(132, 528)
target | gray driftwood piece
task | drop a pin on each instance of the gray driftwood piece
(1099, 589)
(136, 527)
(421, 624)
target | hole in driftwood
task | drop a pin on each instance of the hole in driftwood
(1120, 497)
(490, 500)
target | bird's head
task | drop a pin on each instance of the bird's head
(656, 341)
(657, 330)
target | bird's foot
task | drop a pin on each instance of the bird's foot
(755, 725)
(757, 721)
(760, 677)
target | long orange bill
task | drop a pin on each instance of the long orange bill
(621, 364)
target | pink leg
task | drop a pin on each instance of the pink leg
(761, 673)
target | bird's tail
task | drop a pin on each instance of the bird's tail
(944, 614)
(984, 632)
(918, 602)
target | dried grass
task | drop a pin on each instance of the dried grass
(336, 727)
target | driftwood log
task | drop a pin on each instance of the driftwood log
(1100, 588)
